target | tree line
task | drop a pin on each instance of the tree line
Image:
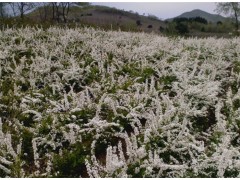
(195, 19)
(59, 10)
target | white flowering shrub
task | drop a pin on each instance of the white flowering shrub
(89, 103)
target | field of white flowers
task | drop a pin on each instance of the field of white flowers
(89, 103)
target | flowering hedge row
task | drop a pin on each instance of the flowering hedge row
(90, 103)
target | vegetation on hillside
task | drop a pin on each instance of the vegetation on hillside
(85, 14)
(188, 26)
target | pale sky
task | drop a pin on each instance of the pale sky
(162, 10)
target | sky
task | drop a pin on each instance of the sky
(162, 10)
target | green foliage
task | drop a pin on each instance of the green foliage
(27, 119)
(9, 101)
(24, 53)
(126, 85)
(236, 104)
(109, 60)
(147, 73)
(16, 168)
(236, 66)
(167, 81)
(172, 59)
(71, 164)
(130, 69)
(46, 89)
(198, 27)
(231, 173)
(106, 113)
(136, 174)
(84, 115)
(234, 86)
(65, 63)
(7, 86)
(210, 172)
(27, 149)
(2, 173)
(157, 142)
(216, 137)
(45, 127)
(92, 76)
(182, 28)
(190, 20)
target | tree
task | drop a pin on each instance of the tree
(161, 29)
(2, 9)
(23, 7)
(182, 28)
(60, 9)
(150, 26)
(219, 23)
(65, 10)
(180, 19)
(138, 22)
(199, 20)
(43, 10)
(55, 11)
(230, 8)
(20, 8)
(13, 7)
(53, 4)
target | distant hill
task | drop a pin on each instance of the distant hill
(107, 17)
(199, 13)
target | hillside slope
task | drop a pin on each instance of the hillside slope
(106, 17)
(199, 13)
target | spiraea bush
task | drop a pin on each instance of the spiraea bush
(88, 103)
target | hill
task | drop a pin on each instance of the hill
(107, 17)
(199, 13)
